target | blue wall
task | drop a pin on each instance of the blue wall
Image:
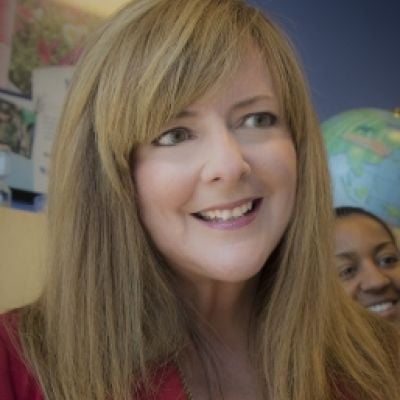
(350, 49)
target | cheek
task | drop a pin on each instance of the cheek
(162, 187)
(394, 276)
(351, 288)
(278, 164)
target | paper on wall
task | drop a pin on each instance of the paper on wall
(50, 86)
(28, 127)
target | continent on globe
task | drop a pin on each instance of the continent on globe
(363, 147)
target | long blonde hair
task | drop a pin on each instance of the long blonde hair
(109, 313)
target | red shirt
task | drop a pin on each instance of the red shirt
(18, 383)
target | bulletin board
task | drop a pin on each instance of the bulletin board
(40, 42)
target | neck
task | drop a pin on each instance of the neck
(221, 362)
(224, 309)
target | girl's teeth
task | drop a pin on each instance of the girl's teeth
(377, 308)
(228, 214)
(237, 212)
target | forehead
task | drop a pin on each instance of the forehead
(253, 72)
(358, 233)
(251, 79)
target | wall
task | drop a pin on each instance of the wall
(350, 50)
(22, 247)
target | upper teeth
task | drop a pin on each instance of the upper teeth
(377, 308)
(227, 214)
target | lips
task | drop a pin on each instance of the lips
(228, 212)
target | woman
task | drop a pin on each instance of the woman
(188, 187)
(368, 261)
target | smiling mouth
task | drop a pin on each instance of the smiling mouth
(381, 307)
(229, 214)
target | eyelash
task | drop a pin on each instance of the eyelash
(271, 121)
(388, 260)
(348, 272)
(167, 134)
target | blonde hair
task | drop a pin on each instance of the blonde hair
(109, 313)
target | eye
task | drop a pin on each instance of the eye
(172, 137)
(388, 260)
(347, 272)
(259, 120)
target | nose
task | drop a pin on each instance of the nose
(224, 159)
(373, 279)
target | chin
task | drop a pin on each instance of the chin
(236, 271)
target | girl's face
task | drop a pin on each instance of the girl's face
(368, 264)
(217, 186)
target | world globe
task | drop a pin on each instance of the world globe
(363, 147)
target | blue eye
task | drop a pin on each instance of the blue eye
(172, 137)
(259, 120)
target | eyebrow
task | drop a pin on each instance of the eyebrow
(346, 254)
(184, 114)
(381, 246)
(352, 254)
(250, 101)
(241, 104)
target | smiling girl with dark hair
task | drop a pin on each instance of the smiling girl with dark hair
(368, 261)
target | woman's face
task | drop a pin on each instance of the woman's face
(368, 264)
(217, 187)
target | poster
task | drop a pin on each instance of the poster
(17, 124)
(28, 127)
(17, 131)
(38, 33)
(40, 41)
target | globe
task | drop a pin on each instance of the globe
(363, 147)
